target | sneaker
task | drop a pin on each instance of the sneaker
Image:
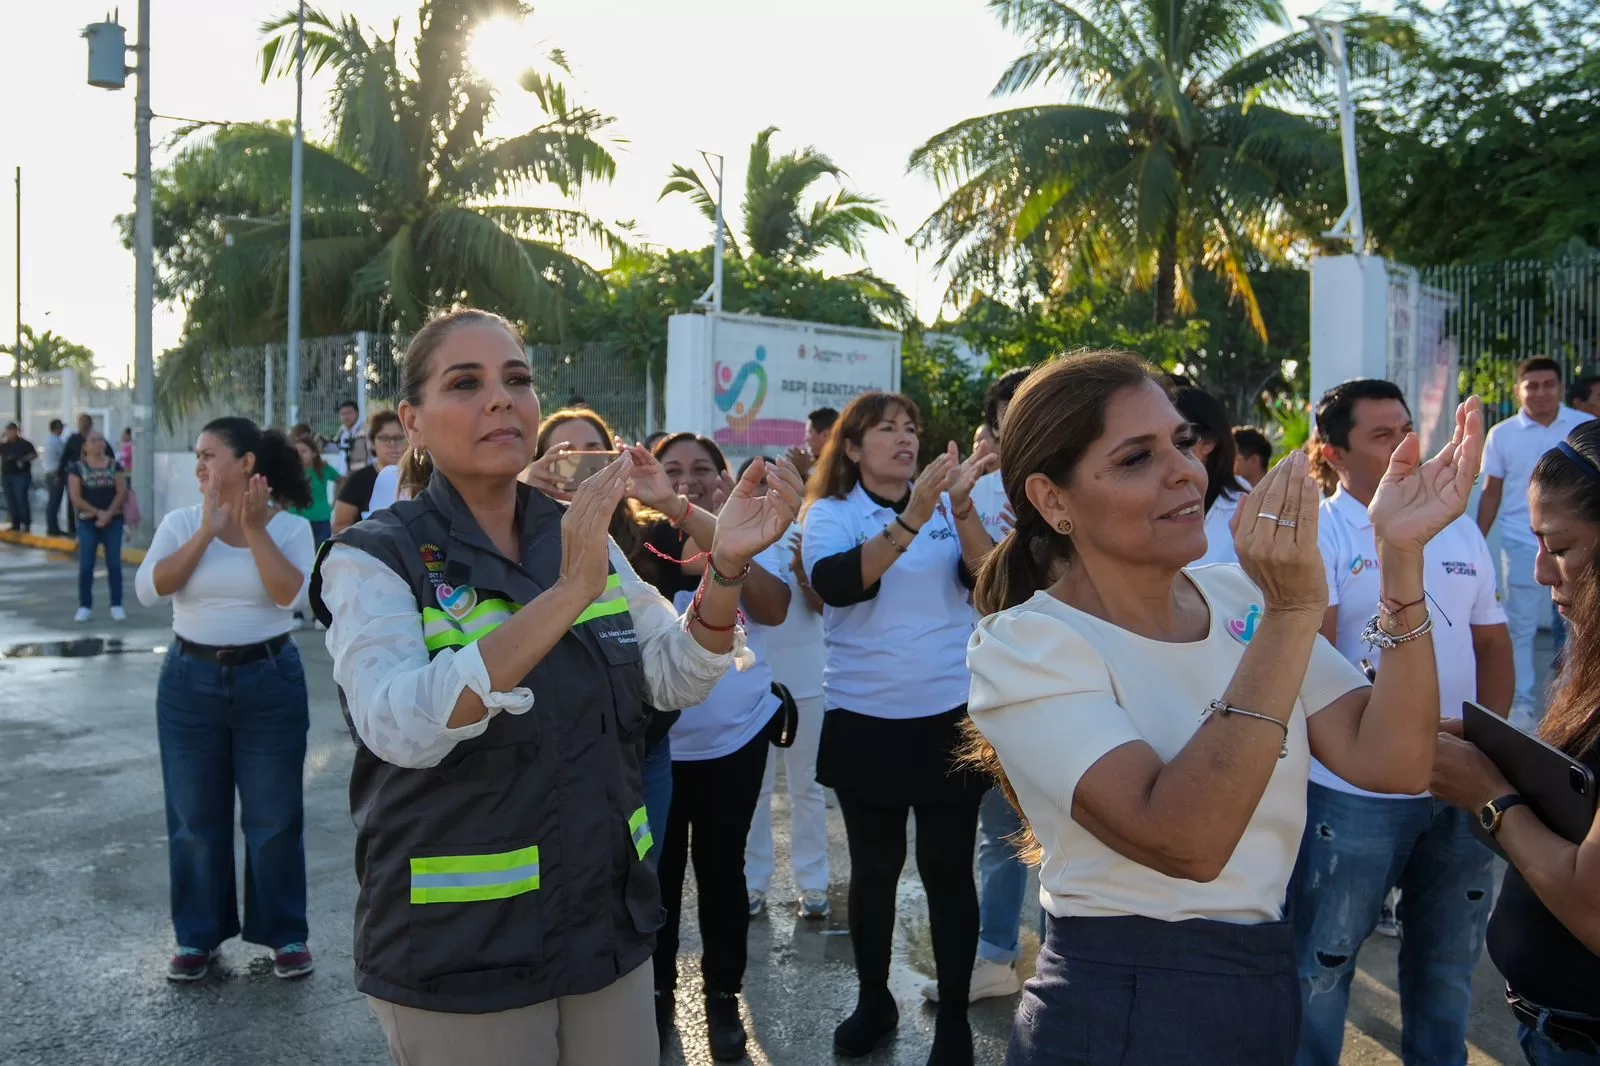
(813, 906)
(292, 960)
(118, 614)
(191, 964)
(83, 615)
(1388, 925)
(989, 981)
(758, 903)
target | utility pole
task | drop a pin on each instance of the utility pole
(108, 49)
(713, 296)
(16, 353)
(296, 183)
(1350, 226)
(144, 360)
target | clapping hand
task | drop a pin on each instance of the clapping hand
(1275, 535)
(982, 460)
(649, 484)
(585, 544)
(935, 479)
(543, 473)
(256, 510)
(216, 514)
(750, 521)
(1416, 500)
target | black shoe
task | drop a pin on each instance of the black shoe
(952, 1041)
(666, 1008)
(871, 1026)
(724, 1029)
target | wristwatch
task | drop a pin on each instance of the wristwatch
(1490, 813)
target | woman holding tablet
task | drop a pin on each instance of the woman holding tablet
(1544, 934)
(1155, 724)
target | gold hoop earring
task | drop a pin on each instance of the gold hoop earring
(1064, 527)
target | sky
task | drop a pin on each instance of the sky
(865, 81)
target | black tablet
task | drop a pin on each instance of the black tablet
(1558, 788)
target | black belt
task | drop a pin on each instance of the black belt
(236, 655)
(1569, 1032)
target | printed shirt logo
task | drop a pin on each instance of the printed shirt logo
(457, 601)
(1358, 564)
(1461, 569)
(1244, 629)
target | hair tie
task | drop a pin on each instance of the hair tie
(1579, 460)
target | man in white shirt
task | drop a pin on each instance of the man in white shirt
(351, 441)
(1509, 456)
(54, 443)
(1358, 844)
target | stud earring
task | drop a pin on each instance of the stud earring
(1064, 527)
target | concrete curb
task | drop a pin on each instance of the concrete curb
(66, 545)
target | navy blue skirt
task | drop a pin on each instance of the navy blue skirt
(1135, 991)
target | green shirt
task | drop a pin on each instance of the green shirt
(321, 509)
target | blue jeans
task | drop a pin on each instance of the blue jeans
(18, 507)
(1354, 850)
(658, 793)
(320, 531)
(1542, 1051)
(224, 729)
(91, 538)
(1002, 880)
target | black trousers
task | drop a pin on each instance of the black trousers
(946, 834)
(58, 488)
(713, 801)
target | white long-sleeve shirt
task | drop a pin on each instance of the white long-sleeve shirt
(400, 700)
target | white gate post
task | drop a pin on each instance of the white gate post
(266, 419)
(363, 354)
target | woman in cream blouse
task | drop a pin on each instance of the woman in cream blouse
(1155, 724)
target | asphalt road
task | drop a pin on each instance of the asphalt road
(83, 881)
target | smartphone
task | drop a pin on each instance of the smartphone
(577, 467)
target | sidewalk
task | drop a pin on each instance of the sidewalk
(65, 544)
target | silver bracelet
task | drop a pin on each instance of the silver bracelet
(1374, 635)
(1222, 709)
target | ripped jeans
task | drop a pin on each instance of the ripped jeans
(1354, 850)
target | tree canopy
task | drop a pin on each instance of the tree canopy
(46, 353)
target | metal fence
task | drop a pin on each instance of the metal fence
(1501, 313)
(365, 368)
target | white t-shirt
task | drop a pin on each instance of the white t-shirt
(901, 654)
(224, 602)
(742, 703)
(1459, 577)
(1511, 452)
(1219, 538)
(385, 489)
(795, 649)
(989, 497)
(1055, 689)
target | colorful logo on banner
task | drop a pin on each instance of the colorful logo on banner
(1244, 629)
(732, 387)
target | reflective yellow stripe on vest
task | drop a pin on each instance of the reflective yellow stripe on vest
(439, 630)
(639, 829)
(471, 878)
(611, 602)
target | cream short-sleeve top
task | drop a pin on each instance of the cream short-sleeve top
(1055, 689)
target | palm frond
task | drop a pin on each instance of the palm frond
(563, 153)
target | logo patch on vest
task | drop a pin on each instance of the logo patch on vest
(432, 558)
(457, 601)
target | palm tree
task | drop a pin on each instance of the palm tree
(403, 209)
(778, 224)
(47, 353)
(1170, 157)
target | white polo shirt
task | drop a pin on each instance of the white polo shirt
(795, 648)
(742, 703)
(1511, 452)
(989, 497)
(903, 653)
(1219, 538)
(1458, 575)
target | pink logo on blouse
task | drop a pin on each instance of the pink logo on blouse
(1244, 629)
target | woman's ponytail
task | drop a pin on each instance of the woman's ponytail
(416, 470)
(1019, 566)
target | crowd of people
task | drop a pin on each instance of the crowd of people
(1212, 699)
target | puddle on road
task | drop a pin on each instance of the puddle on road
(82, 648)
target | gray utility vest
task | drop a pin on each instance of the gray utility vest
(513, 872)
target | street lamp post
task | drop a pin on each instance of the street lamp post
(296, 182)
(107, 51)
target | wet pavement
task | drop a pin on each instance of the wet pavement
(83, 878)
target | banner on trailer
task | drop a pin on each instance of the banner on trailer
(769, 374)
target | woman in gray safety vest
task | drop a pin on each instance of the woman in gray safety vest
(494, 656)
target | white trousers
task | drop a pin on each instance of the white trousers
(1526, 603)
(808, 811)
